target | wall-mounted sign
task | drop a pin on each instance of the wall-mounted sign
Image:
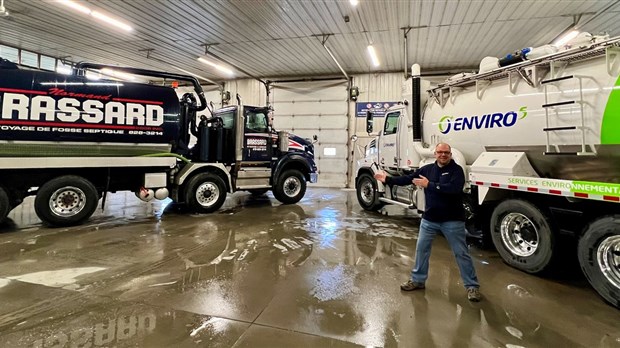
(378, 108)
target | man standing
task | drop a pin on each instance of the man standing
(443, 189)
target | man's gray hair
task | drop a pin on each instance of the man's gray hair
(448, 145)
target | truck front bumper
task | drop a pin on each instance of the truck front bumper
(314, 177)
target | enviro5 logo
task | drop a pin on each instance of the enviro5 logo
(495, 120)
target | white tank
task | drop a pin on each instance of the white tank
(508, 115)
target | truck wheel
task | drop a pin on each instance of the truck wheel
(522, 235)
(291, 187)
(367, 194)
(205, 193)
(5, 205)
(599, 257)
(66, 201)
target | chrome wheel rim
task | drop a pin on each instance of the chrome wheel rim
(608, 257)
(207, 194)
(519, 234)
(67, 201)
(367, 192)
(292, 186)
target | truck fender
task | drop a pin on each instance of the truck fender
(371, 171)
(191, 168)
(294, 160)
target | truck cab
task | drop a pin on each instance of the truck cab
(238, 149)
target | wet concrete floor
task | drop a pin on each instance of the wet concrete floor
(320, 273)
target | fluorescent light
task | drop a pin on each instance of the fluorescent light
(373, 55)
(76, 6)
(118, 74)
(216, 66)
(566, 38)
(95, 14)
(191, 73)
(111, 21)
(354, 2)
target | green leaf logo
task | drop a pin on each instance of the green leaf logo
(522, 109)
(445, 120)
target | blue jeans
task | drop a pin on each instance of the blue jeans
(454, 231)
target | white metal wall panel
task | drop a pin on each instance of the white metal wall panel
(317, 108)
(252, 92)
(373, 88)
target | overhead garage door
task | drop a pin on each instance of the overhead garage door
(319, 107)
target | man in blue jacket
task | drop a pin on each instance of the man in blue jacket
(444, 213)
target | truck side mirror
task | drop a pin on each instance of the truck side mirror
(369, 122)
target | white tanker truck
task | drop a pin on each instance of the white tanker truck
(538, 135)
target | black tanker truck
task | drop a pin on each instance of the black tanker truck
(69, 140)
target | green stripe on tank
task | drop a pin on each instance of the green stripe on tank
(59, 150)
(610, 127)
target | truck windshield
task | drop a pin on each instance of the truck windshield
(228, 119)
(391, 123)
(256, 121)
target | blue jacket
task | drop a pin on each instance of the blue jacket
(444, 194)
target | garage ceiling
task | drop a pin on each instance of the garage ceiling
(282, 38)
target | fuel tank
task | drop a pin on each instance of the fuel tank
(49, 114)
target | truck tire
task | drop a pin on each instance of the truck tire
(5, 205)
(291, 187)
(205, 193)
(599, 257)
(522, 235)
(367, 194)
(66, 201)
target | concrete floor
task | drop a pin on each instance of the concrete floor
(321, 273)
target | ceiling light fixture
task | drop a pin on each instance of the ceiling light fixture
(373, 56)
(95, 14)
(191, 73)
(566, 38)
(216, 66)
(354, 2)
(100, 16)
(75, 6)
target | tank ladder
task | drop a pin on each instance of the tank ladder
(586, 149)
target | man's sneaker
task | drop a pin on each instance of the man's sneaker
(473, 294)
(410, 285)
